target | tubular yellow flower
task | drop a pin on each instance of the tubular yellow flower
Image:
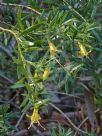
(35, 117)
(83, 51)
(46, 74)
(52, 48)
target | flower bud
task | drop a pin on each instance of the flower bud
(46, 74)
(83, 51)
(52, 48)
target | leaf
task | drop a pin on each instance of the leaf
(90, 109)
(17, 85)
(27, 43)
(97, 36)
(21, 56)
(5, 39)
(25, 102)
(20, 25)
(32, 49)
(4, 108)
(75, 69)
(31, 63)
(30, 29)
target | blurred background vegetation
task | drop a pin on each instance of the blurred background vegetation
(51, 52)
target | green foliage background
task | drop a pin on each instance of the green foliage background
(64, 23)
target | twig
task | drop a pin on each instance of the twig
(6, 24)
(22, 6)
(55, 91)
(98, 110)
(10, 102)
(37, 131)
(21, 133)
(75, 114)
(68, 119)
(70, 7)
(19, 121)
(20, 118)
(10, 31)
(6, 78)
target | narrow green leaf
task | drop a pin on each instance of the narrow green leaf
(20, 25)
(30, 29)
(17, 85)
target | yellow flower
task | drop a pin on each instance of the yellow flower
(35, 117)
(46, 73)
(52, 48)
(83, 51)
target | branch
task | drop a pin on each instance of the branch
(22, 6)
(13, 33)
(68, 119)
(6, 78)
(98, 110)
